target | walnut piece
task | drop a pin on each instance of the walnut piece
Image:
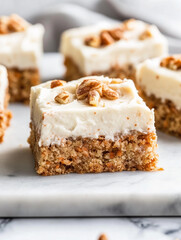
(109, 93)
(93, 98)
(117, 33)
(93, 90)
(106, 37)
(17, 24)
(103, 237)
(63, 97)
(129, 24)
(87, 85)
(3, 25)
(171, 62)
(57, 83)
(145, 35)
(93, 41)
(13, 23)
(116, 81)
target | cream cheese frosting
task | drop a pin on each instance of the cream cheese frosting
(162, 82)
(22, 50)
(54, 121)
(3, 85)
(123, 52)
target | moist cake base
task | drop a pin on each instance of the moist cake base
(20, 83)
(136, 151)
(167, 116)
(5, 117)
(73, 72)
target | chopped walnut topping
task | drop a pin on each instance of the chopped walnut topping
(93, 41)
(109, 93)
(146, 34)
(171, 62)
(129, 24)
(13, 23)
(93, 98)
(87, 85)
(3, 25)
(117, 33)
(116, 81)
(57, 83)
(94, 89)
(63, 97)
(106, 38)
(103, 237)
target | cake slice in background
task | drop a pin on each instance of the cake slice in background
(159, 83)
(20, 53)
(110, 49)
(94, 124)
(5, 115)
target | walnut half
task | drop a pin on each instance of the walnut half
(87, 85)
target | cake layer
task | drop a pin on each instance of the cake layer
(162, 82)
(5, 115)
(136, 151)
(3, 86)
(73, 72)
(119, 110)
(20, 83)
(22, 49)
(139, 42)
(167, 116)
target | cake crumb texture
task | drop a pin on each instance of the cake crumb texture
(73, 72)
(136, 151)
(20, 83)
(167, 116)
(5, 117)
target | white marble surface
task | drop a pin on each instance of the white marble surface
(23, 193)
(90, 229)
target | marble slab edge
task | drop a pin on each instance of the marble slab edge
(89, 205)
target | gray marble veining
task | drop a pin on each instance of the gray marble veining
(90, 229)
(24, 193)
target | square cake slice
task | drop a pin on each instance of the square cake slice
(20, 53)
(5, 115)
(94, 124)
(159, 83)
(110, 49)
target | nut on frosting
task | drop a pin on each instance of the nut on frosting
(12, 23)
(95, 89)
(171, 62)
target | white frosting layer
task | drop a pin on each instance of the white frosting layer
(3, 85)
(55, 121)
(22, 49)
(122, 52)
(160, 81)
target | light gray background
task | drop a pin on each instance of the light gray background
(30, 8)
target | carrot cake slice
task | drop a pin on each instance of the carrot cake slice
(94, 124)
(159, 81)
(5, 115)
(111, 49)
(20, 53)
